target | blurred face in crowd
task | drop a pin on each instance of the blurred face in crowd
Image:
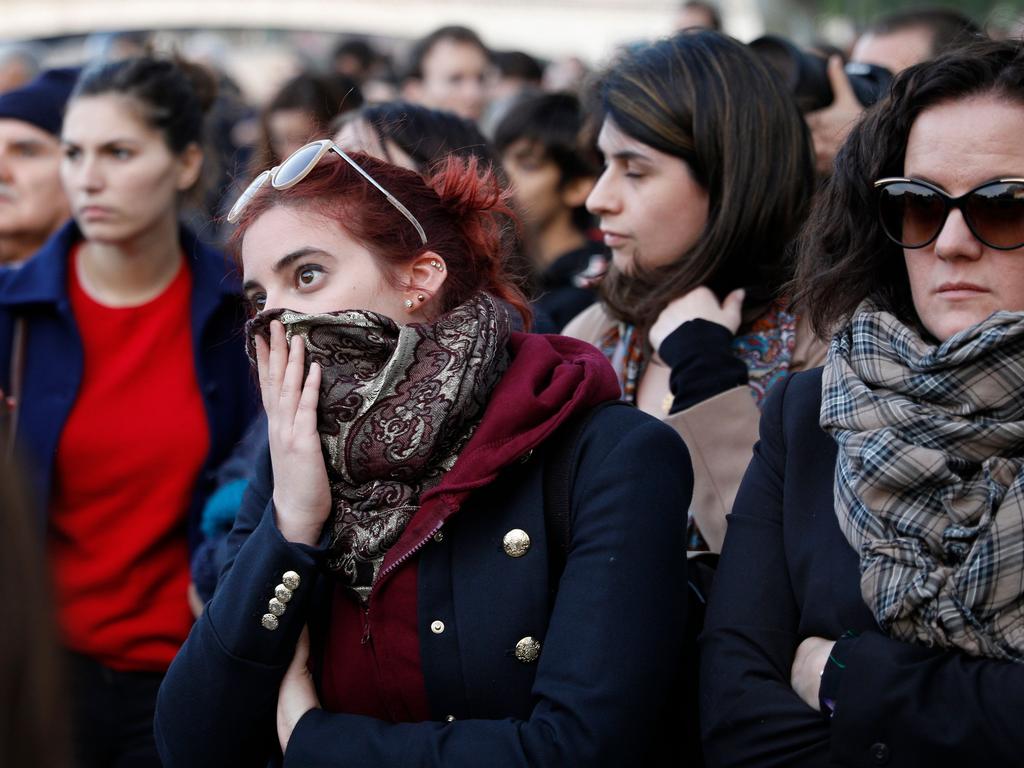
(288, 130)
(694, 16)
(894, 50)
(537, 185)
(455, 78)
(958, 281)
(651, 209)
(121, 178)
(292, 259)
(358, 136)
(32, 202)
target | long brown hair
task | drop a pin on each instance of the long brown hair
(706, 99)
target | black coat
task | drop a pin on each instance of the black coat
(788, 573)
(612, 641)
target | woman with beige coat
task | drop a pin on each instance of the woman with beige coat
(707, 178)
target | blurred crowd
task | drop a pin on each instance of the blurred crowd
(713, 221)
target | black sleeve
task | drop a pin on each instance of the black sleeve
(918, 706)
(700, 355)
(611, 652)
(217, 704)
(750, 715)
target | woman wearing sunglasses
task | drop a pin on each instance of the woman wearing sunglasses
(119, 340)
(707, 176)
(869, 603)
(406, 508)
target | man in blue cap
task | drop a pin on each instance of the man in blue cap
(32, 201)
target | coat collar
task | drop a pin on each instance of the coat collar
(43, 278)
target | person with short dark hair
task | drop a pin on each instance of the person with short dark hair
(898, 40)
(895, 42)
(517, 71)
(32, 202)
(698, 14)
(300, 111)
(449, 69)
(868, 603)
(354, 59)
(552, 172)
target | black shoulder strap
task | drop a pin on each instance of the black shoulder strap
(559, 473)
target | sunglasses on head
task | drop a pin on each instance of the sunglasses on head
(297, 167)
(914, 212)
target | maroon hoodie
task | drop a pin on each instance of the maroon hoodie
(371, 665)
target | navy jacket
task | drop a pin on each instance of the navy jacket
(54, 358)
(788, 573)
(611, 644)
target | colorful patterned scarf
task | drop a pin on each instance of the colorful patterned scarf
(397, 404)
(929, 486)
(766, 349)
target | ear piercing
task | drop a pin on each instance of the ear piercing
(408, 303)
(420, 297)
(436, 264)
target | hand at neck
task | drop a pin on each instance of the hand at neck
(131, 272)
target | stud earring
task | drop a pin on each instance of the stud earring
(408, 303)
(437, 265)
(420, 297)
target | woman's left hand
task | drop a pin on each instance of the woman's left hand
(808, 663)
(700, 303)
(298, 694)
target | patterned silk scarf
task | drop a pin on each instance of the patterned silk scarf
(397, 404)
(766, 349)
(929, 487)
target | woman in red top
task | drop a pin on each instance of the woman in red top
(132, 392)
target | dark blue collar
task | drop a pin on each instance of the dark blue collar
(43, 278)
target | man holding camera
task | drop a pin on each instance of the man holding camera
(895, 42)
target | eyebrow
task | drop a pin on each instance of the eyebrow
(281, 264)
(629, 154)
(105, 144)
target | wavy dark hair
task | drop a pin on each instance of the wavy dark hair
(706, 98)
(844, 256)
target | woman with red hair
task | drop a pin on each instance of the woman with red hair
(407, 585)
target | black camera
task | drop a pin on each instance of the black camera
(806, 74)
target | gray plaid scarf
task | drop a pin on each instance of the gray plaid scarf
(397, 404)
(929, 486)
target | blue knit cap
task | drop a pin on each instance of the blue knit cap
(41, 102)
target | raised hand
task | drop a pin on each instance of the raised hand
(830, 126)
(700, 303)
(302, 495)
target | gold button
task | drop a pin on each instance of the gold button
(437, 627)
(291, 580)
(439, 537)
(275, 606)
(527, 650)
(450, 718)
(269, 621)
(282, 593)
(516, 542)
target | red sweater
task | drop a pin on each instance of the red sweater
(126, 464)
